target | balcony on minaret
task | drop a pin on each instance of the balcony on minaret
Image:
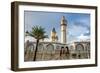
(63, 21)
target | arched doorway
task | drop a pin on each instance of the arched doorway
(79, 50)
(67, 52)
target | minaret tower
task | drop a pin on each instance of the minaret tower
(63, 30)
(54, 37)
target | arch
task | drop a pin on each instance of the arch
(62, 50)
(79, 47)
(79, 50)
(67, 50)
(49, 52)
(40, 47)
(50, 48)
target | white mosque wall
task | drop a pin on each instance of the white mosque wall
(57, 51)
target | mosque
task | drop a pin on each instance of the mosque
(54, 50)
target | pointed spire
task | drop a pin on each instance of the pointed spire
(63, 21)
(63, 17)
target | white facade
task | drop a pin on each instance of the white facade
(57, 51)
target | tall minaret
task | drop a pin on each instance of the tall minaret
(63, 30)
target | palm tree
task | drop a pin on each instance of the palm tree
(38, 33)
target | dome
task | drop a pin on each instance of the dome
(53, 30)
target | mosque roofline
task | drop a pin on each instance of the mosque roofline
(49, 42)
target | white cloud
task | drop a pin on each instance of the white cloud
(83, 37)
(77, 30)
(30, 39)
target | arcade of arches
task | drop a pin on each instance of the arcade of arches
(56, 51)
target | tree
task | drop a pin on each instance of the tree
(38, 33)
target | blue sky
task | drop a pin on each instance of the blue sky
(78, 24)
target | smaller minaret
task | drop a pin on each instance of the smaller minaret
(54, 37)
